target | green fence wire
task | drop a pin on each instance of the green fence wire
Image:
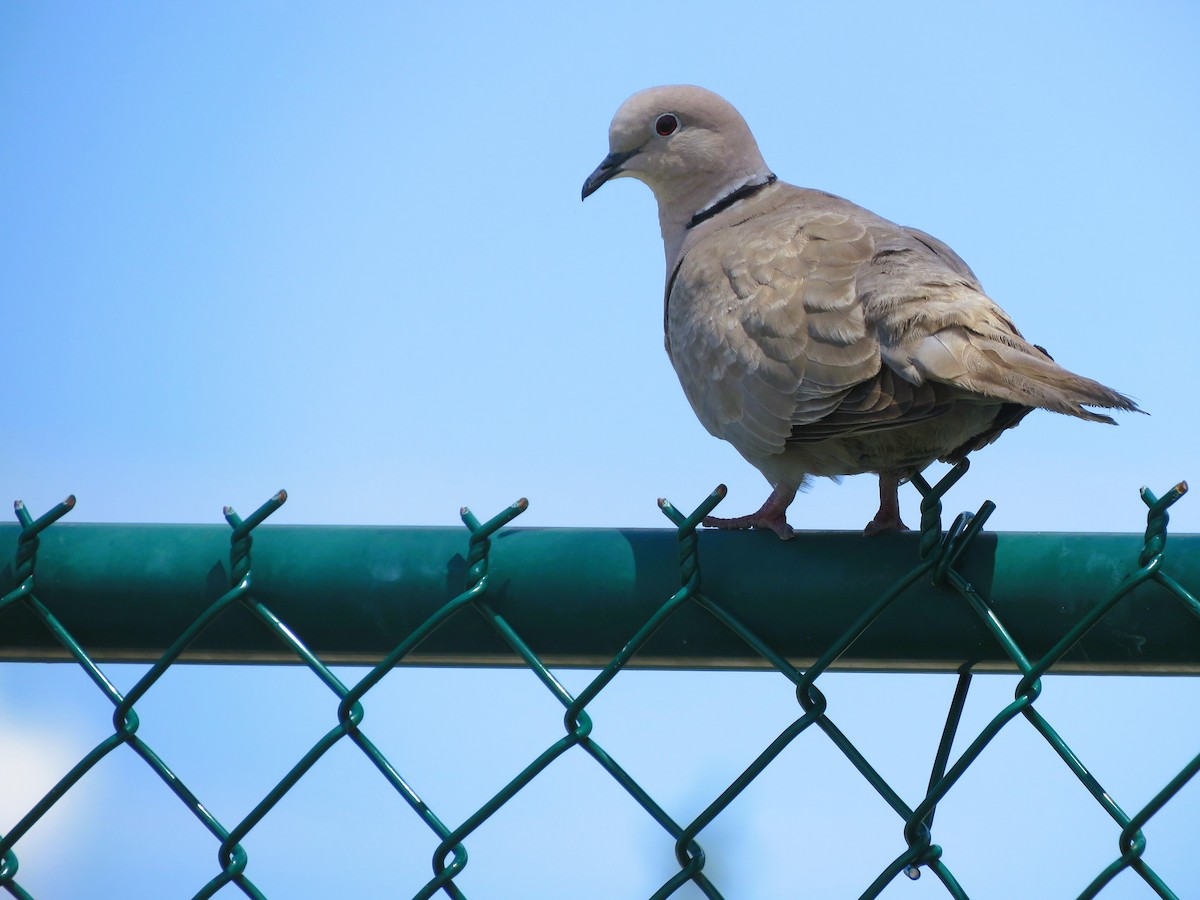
(940, 555)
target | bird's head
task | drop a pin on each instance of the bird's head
(689, 145)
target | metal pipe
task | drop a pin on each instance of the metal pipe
(576, 595)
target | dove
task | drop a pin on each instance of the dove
(818, 338)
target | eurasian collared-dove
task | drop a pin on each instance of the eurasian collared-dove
(813, 335)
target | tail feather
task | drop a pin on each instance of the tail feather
(1016, 373)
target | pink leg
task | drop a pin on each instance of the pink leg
(888, 517)
(772, 514)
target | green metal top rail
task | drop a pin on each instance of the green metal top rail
(352, 593)
(936, 600)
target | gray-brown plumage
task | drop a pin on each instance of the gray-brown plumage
(813, 335)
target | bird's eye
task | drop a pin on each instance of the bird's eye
(666, 124)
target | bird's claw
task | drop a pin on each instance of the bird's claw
(777, 524)
(882, 524)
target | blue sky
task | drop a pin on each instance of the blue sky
(341, 250)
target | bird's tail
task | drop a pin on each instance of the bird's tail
(1021, 373)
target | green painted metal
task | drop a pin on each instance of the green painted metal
(962, 600)
(128, 591)
(352, 593)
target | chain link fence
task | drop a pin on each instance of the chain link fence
(940, 563)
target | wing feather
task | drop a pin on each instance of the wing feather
(812, 319)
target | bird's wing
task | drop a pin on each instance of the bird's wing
(935, 324)
(770, 338)
(943, 251)
(817, 319)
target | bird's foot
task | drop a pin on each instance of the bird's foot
(772, 515)
(888, 517)
(883, 523)
(777, 522)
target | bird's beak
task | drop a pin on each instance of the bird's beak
(610, 167)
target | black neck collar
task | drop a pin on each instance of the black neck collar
(746, 190)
